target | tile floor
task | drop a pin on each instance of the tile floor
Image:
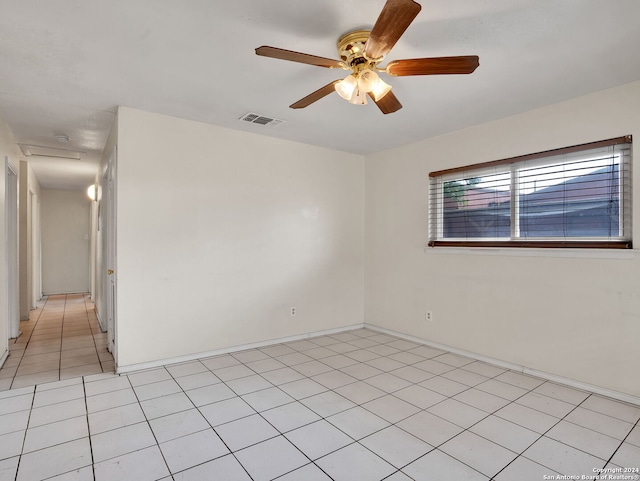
(61, 340)
(358, 406)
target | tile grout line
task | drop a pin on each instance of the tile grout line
(361, 404)
(259, 413)
(24, 439)
(452, 397)
(86, 408)
(197, 408)
(637, 423)
(573, 447)
(385, 393)
(64, 311)
(355, 441)
(29, 340)
(150, 427)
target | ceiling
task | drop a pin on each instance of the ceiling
(65, 66)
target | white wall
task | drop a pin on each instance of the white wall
(220, 232)
(65, 250)
(573, 317)
(8, 149)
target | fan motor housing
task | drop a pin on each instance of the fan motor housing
(351, 48)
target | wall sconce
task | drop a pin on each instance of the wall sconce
(92, 192)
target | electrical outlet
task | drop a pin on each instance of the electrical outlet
(429, 316)
(293, 311)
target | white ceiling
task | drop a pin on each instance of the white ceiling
(65, 66)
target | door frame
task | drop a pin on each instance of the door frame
(11, 216)
(36, 251)
(109, 270)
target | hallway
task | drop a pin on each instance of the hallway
(61, 340)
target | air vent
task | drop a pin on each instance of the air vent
(261, 119)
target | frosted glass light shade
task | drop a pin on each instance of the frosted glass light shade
(346, 87)
(368, 79)
(380, 89)
(92, 192)
(359, 97)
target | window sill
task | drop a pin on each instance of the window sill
(614, 254)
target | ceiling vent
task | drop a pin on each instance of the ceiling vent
(40, 151)
(261, 119)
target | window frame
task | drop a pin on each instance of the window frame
(513, 166)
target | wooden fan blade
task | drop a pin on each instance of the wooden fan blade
(315, 96)
(433, 66)
(283, 54)
(395, 18)
(387, 104)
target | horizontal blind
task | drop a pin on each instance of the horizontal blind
(578, 197)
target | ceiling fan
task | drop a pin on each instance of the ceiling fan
(362, 50)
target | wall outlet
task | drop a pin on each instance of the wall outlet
(293, 311)
(428, 316)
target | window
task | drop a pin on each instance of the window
(573, 197)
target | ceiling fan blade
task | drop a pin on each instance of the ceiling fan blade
(315, 96)
(395, 18)
(387, 104)
(283, 54)
(433, 66)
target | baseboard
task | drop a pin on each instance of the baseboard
(514, 367)
(63, 293)
(217, 352)
(4, 357)
(497, 362)
(103, 327)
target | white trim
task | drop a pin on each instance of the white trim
(497, 362)
(201, 355)
(12, 231)
(614, 254)
(515, 367)
(103, 327)
(57, 293)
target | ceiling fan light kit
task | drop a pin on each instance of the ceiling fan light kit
(361, 51)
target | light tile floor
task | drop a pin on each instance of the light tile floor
(62, 339)
(359, 405)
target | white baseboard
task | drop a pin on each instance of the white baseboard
(201, 355)
(103, 327)
(4, 357)
(63, 293)
(515, 367)
(497, 362)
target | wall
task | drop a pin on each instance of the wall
(65, 250)
(220, 232)
(8, 150)
(575, 317)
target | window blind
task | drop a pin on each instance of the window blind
(579, 196)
